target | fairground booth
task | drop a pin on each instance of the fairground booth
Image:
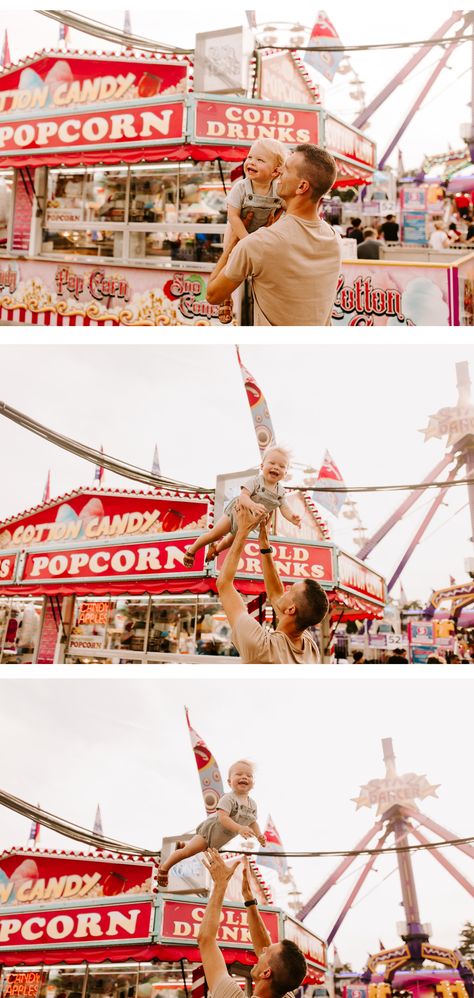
(113, 177)
(79, 925)
(99, 576)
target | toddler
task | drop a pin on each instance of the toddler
(255, 193)
(261, 494)
(236, 814)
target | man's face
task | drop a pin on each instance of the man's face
(290, 178)
(264, 961)
(290, 596)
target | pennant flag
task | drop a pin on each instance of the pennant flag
(47, 488)
(210, 778)
(5, 57)
(64, 33)
(329, 472)
(127, 23)
(98, 830)
(258, 407)
(403, 596)
(452, 580)
(381, 945)
(155, 468)
(34, 835)
(323, 34)
(99, 472)
(278, 863)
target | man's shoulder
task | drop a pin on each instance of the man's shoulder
(227, 987)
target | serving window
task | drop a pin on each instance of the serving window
(20, 628)
(147, 628)
(137, 213)
(7, 180)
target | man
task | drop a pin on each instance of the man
(281, 967)
(303, 605)
(294, 264)
(370, 248)
(389, 229)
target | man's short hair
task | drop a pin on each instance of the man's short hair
(288, 968)
(319, 169)
(368, 233)
(311, 604)
(388, 218)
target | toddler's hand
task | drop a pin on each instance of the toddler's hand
(262, 840)
(296, 520)
(246, 832)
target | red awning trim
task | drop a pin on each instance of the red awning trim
(114, 157)
(114, 954)
(129, 56)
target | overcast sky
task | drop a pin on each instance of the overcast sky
(366, 404)
(435, 127)
(71, 744)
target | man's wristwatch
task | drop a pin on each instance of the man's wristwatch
(253, 901)
(265, 550)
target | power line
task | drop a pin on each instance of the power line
(372, 47)
(105, 31)
(73, 831)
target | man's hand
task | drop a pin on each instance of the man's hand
(247, 892)
(245, 520)
(220, 872)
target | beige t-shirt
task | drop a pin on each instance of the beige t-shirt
(228, 987)
(256, 645)
(294, 266)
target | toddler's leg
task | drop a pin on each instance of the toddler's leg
(191, 848)
(219, 529)
(215, 549)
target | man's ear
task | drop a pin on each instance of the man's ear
(266, 973)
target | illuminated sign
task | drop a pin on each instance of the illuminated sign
(294, 562)
(157, 124)
(93, 613)
(181, 921)
(353, 575)
(314, 949)
(153, 558)
(25, 984)
(50, 83)
(242, 124)
(395, 789)
(281, 80)
(342, 140)
(31, 878)
(88, 926)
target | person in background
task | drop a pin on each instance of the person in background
(389, 229)
(369, 249)
(438, 239)
(354, 231)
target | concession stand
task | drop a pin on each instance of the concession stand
(95, 926)
(113, 179)
(99, 576)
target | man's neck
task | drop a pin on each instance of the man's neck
(303, 208)
(287, 625)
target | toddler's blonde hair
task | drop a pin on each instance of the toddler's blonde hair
(281, 450)
(246, 762)
(275, 148)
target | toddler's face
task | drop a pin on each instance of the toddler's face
(241, 778)
(260, 165)
(274, 466)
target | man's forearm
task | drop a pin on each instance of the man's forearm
(272, 581)
(258, 933)
(210, 922)
(229, 569)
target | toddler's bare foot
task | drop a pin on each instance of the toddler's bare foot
(225, 311)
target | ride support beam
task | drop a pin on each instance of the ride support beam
(433, 826)
(364, 115)
(355, 890)
(372, 542)
(423, 93)
(421, 529)
(334, 877)
(445, 863)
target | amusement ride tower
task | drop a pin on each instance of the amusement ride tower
(395, 797)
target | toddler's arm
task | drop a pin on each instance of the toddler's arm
(248, 503)
(258, 835)
(232, 826)
(238, 227)
(289, 515)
